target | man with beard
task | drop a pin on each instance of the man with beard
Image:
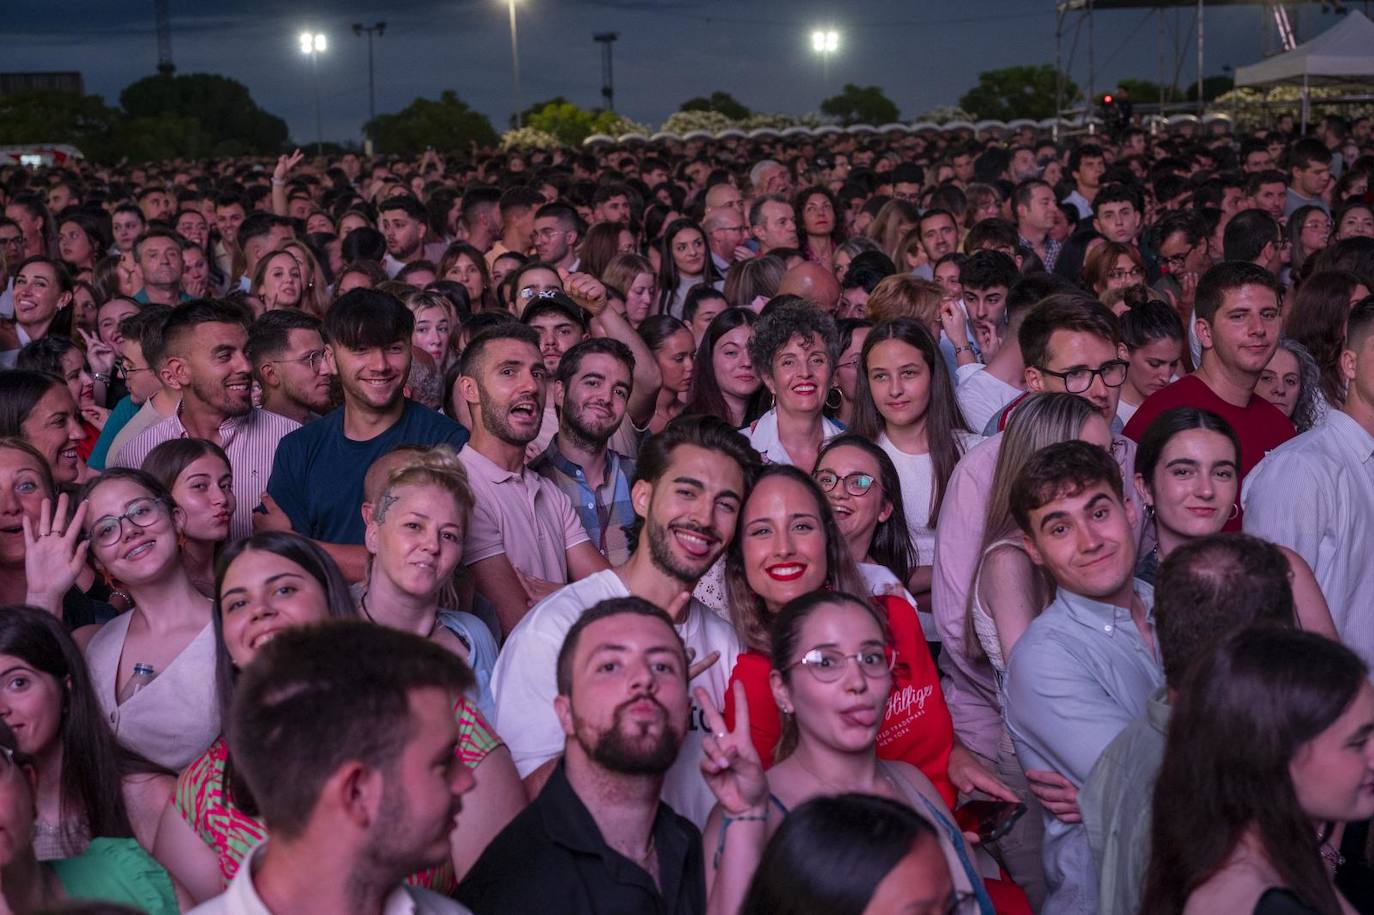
(692, 479)
(346, 737)
(204, 357)
(523, 539)
(598, 836)
(402, 219)
(317, 479)
(592, 388)
(287, 352)
(556, 230)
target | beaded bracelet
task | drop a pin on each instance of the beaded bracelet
(725, 822)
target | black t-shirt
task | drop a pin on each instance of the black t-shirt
(552, 858)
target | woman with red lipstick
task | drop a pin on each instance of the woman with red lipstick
(905, 403)
(197, 474)
(1187, 471)
(675, 350)
(794, 349)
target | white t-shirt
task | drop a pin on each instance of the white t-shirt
(524, 684)
(917, 473)
(1124, 411)
(981, 396)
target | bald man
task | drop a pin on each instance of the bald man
(813, 283)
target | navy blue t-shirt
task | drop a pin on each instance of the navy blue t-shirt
(317, 476)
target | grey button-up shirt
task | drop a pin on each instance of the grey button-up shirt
(1075, 680)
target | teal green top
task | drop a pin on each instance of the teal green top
(120, 871)
(121, 414)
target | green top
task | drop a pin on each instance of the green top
(118, 870)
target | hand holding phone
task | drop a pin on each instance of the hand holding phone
(991, 820)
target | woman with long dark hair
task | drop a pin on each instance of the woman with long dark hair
(1317, 318)
(684, 261)
(1268, 749)
(39, 408)
(197, 474)
(462, 263)
(42, 299)
(724, 382)
(905, 404)
(675, 351)
(818, 223)
(82, 239)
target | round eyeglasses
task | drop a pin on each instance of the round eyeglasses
(827, 664)
(856, 484)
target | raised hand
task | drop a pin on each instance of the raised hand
(99, 354)
(729, 763)
(954, 322)
(587, 291)
(54, 554)
(285, 164)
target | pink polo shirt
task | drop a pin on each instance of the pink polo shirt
(522, 515)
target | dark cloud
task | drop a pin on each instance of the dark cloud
(922, 54)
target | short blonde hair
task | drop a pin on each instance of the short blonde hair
(906, 296)
(438, 466)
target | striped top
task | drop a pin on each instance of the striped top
(250, 443)
(202, 801)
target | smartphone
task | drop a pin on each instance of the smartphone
(991, 820)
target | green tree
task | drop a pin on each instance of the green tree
(572, 124)
(56, 116)
(1016, 92)
(447, 124)
(532, 110)
(860, 105)
(722, 102)
(230, 122)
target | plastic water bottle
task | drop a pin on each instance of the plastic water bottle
(143, 675)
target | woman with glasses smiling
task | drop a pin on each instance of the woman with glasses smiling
(132, 530)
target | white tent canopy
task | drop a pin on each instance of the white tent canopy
(1343, 52)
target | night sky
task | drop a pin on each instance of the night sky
(922, 53)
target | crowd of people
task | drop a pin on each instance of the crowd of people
(864, 524)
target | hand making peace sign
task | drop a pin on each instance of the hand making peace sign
(729, 763)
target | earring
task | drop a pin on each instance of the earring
(838, 397)
(1149, 512)
(1235, 512)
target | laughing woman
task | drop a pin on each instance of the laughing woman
(794, 348)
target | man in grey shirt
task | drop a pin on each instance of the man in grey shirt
(1086, 666)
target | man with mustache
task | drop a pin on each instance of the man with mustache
(691, 481)
(205, 358)
(592, 388)
(523, 539)
(598, 835)
(317, 480)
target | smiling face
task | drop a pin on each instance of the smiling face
(1086, 541)
(372, 378)
(31, 703)
(138, 548)
(38, 294)
(260, 595)
(1195, 484)
(688, 249)
(844, 469)
(800, 375)
(416, 539)
(210, 365)
(1333, 773)
(108, 318)
(281, 281)
(734, 372)
(690, 512)
(844, 714)
(1356, 221)
(639, 298)
(204, 491)
(782, 541)
(22, 490)
(78, 380)
(53, 426)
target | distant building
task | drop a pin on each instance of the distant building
(11, 83)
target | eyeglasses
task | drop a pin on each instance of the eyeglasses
(856, 484)
(827, 664)
(124, 370)
(141, 513)
(1175, 262)
(1076, 381)
(310, 360)
(1134, 273)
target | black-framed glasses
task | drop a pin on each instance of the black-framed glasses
(856, 484)
(124, 370)
(828, 664)
(1076, 381)
(310, 360)
(1175, 262)
(141, 513)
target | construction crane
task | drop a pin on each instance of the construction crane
(164, 38)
